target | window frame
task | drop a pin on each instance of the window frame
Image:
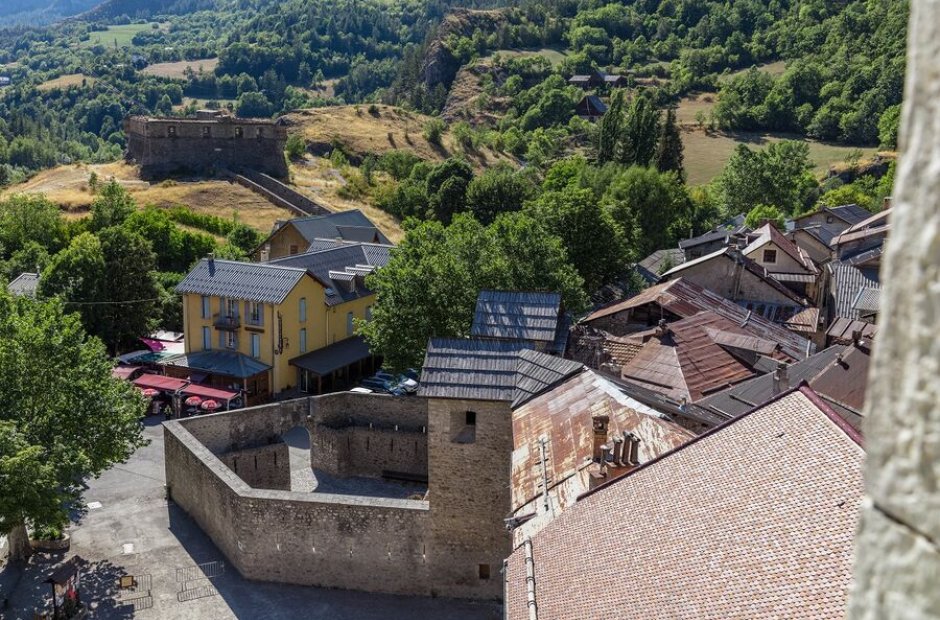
(769, 256)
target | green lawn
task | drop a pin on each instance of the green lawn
(773, 68)
(120, 36)
(707, 153)
(554, 56)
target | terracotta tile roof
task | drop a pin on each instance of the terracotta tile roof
(684, 299)
(692, 359)
(754, 520)
(564, 417)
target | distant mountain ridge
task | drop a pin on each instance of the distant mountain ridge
(42, 11)
(144, 9)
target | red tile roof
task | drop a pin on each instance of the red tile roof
(753, 520)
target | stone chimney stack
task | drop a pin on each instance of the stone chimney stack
(601, 424)
(619, 447)
(781, 378)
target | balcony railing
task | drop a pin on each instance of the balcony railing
(226, 321)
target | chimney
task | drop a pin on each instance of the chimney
(857, 337)
(605, 455)
(211, 261)
(661, 328)
(618, 451)
(631, 449)
(781, 378)
(601, 423)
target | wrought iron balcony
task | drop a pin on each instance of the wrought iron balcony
(226, 321)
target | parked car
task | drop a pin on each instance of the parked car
(361, 390)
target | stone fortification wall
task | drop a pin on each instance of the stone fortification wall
(370, 452)
(165, 146)
(280, 193)
(345, 541)
(265, 467)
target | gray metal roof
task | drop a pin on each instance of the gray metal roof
(847, 282)
(333, 357)
(538, 372)
(473, 369)
(747, 395)
(651, 267)
(329, 265)
(853, 214)
(261, 282)
(337, 226)
(228, 363)
(868, 300)
(24, 284)
(517, 315)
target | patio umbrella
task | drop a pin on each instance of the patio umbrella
(193, 401)
(210, 405)
(150, 393)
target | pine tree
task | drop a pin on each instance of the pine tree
(669, 150)
(608, 136)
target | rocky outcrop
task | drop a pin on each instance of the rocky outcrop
(440, 65)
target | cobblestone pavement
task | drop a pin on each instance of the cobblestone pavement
(179, 572)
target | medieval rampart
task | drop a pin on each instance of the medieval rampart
(379, 544)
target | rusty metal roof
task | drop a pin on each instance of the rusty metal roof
(845, 380)
(842, 329)
(691, 360)
(563, 417)
(755, 519)
(683, 298)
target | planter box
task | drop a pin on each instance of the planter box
(51, 546)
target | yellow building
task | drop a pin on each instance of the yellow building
(302, 234)
(281, 326)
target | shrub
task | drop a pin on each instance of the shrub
(434, 131)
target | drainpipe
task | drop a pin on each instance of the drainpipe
(530, 581)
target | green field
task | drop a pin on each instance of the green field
(554, 56)
(773, 68)
(120, 36)
(707, 153)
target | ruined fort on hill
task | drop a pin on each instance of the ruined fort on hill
(210, 143)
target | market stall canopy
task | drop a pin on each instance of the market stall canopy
(203, 391)
(159, 382)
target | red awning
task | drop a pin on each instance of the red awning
(159, 382)
(207, 392)
(123, 372)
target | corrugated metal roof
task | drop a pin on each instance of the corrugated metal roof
(471, 368)
(516, 315)
(853, 214)
(537, 372)
(842, 329)
(745, 396)
(24, 284)
(685, 299)
(333, 357)
(325, 264)
(867, 301)
(334, 225)
(847, 281)
(564, 417)
(261, 282)
(687, 362)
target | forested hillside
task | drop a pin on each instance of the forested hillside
(42, 11)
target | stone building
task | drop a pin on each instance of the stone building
(210, 143)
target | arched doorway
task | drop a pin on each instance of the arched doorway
(302, 479)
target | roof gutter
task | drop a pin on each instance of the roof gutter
(530, 580)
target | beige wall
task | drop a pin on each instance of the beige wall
(784, 264)
(724, 277)
(281, 241)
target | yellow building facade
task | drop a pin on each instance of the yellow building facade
(242, 317)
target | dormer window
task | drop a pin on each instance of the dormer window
(770, 256)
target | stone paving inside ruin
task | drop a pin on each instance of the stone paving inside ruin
(179, 572)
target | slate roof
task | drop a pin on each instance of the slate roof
(24, 284)
(261, 282)
(874, 225)
(536, 372)
(755, 519)
(593, 105)
(228, 363)
(825, 233)
(329, 265)
(564, 417)
(471, 368)
(650, 267)
(684, 299)
(333, 357)
(709, 237)
(847, 282)
(339, 225)
(867, 301)
(851, 214)
(516, 315)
